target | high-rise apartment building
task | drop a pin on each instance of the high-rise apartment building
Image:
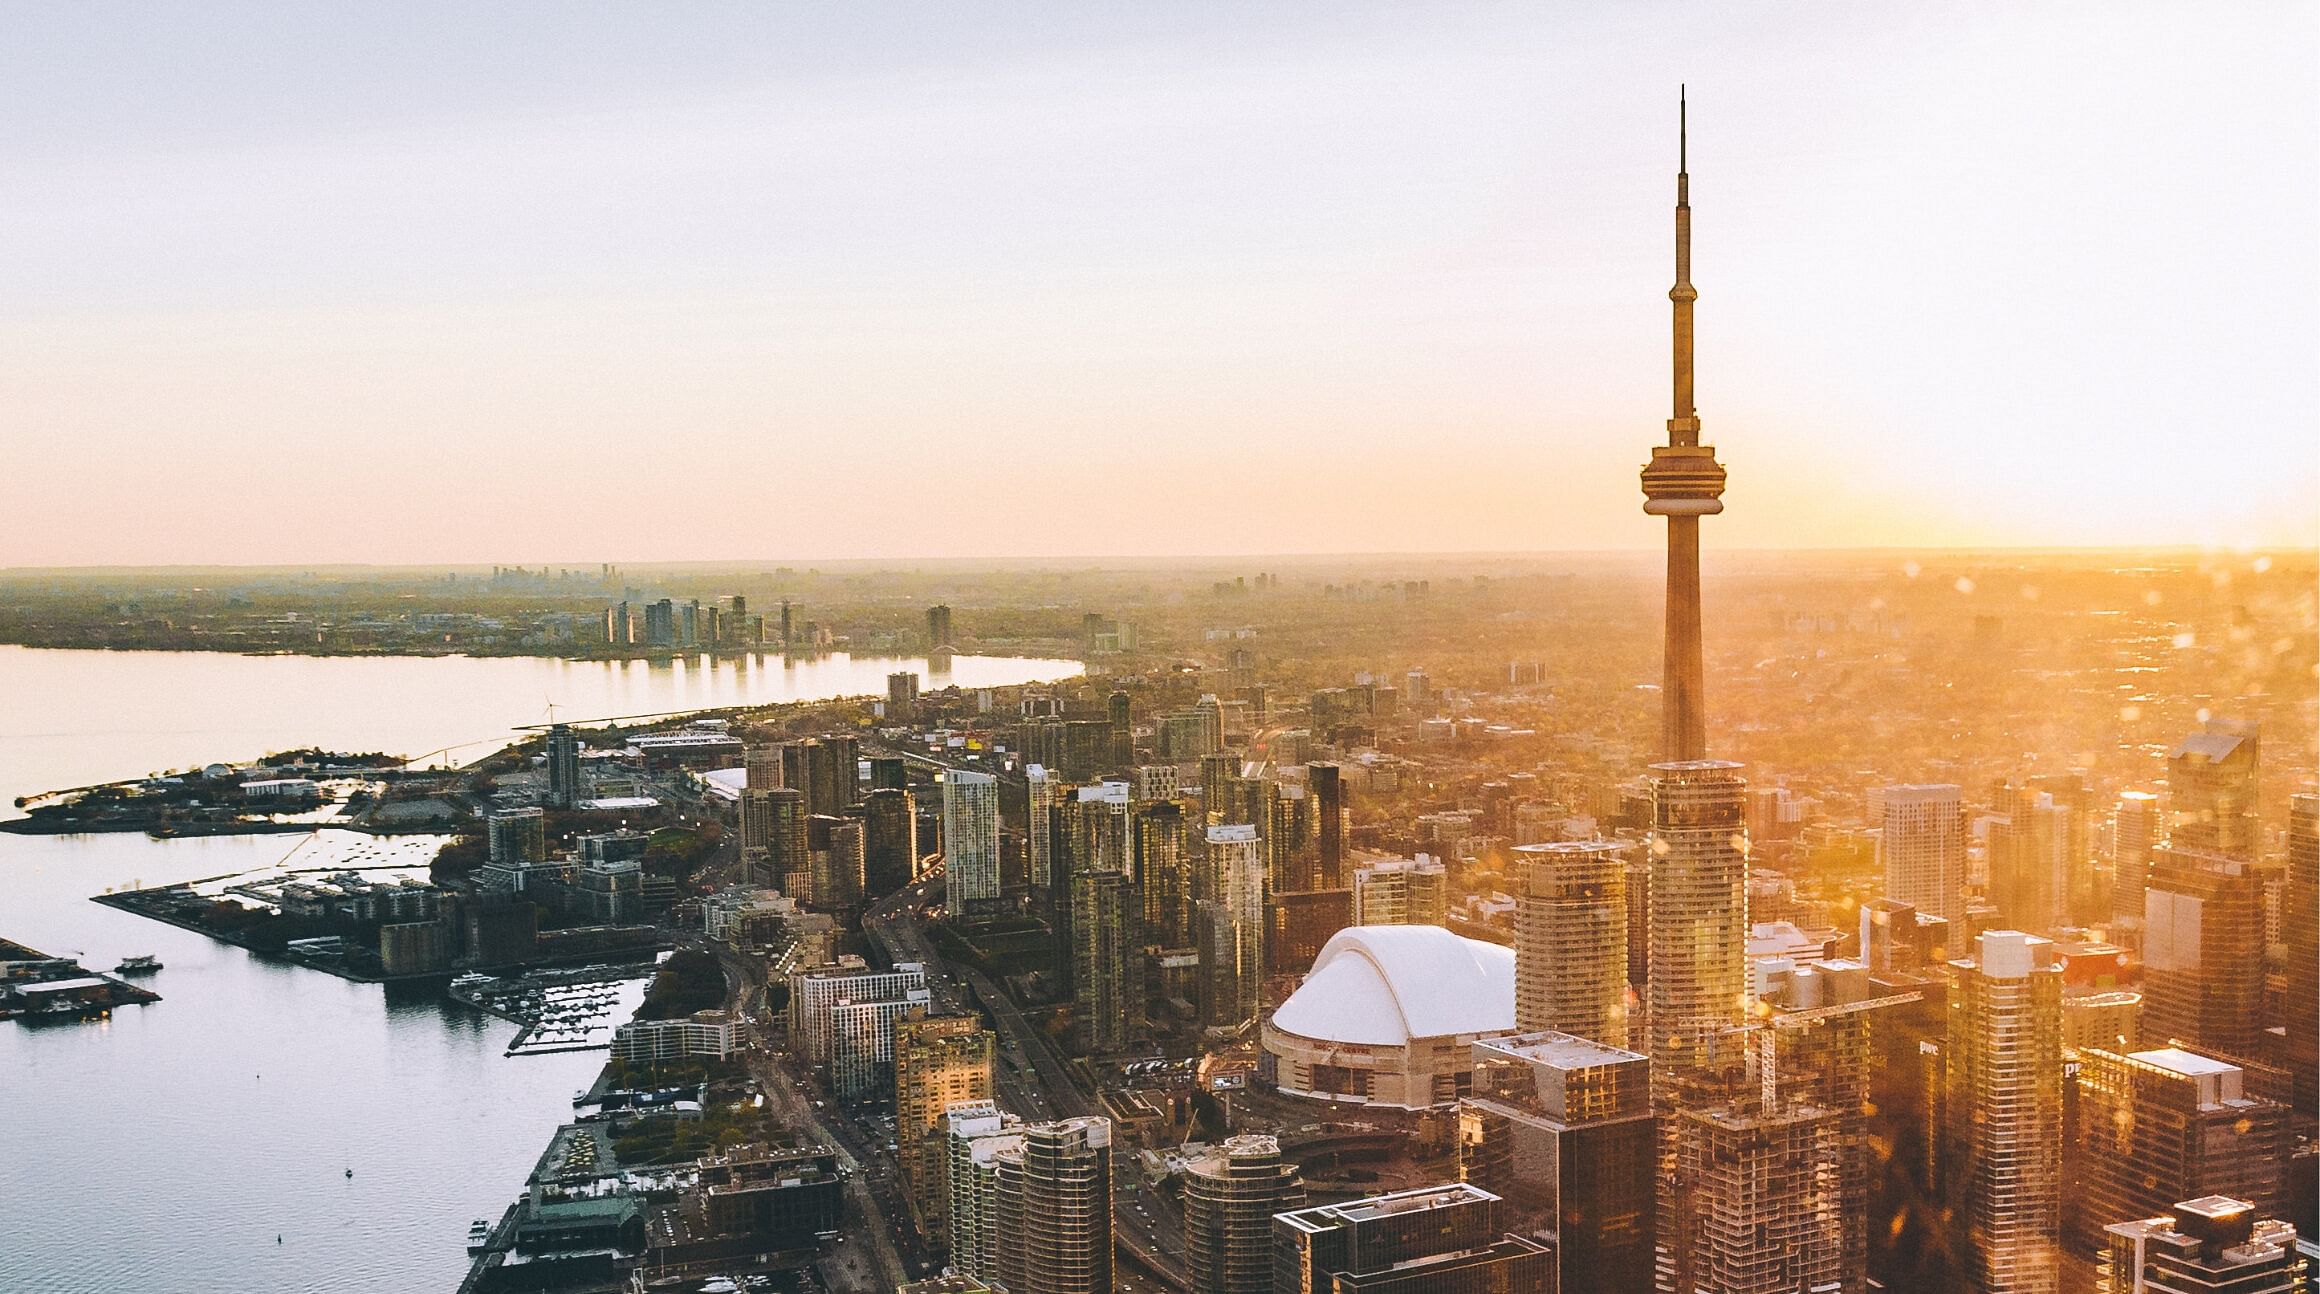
(901, 696)
(761, 767)
(2203, 950)
(563, 766)
(2300, 932)
(1327, 783)
(1433, 1240)
(840, 855)
(1096, 820)
(1107, 992)
(940, 1062)
(1232, 946)
(773, 825)
(2134, 829)
(1923, 848)
(1292, 845)
(975, 1135)
(1120, 714)
(1039, 829)
(516, 836)
(1230, 1196)
(889, 840)
(814, 991)
(2029, 858)
(2002, 1133)
(1570, 939)
(1560, 1128)
(1699, 976)
(842, 764)
(2211, 789)
(2156, 1127)
(938, 628)
(1164, 875)
(2211, 1245)
(1055, 1208)
(970, 829)
(1401, 892)
(1699, 914)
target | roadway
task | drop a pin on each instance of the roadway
(866, 1259)
(1032, 1078)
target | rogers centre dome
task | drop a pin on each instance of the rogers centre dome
(1389, 1016)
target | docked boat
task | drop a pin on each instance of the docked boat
(144, 964)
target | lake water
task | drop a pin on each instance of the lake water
(169, 1147)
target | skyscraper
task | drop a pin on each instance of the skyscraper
(890, 840)
(2134, 830)
(1560, 1128)
(2211, 789)
(1327, 782)
(939, 1061)
(2002, 1134)
(563, 766)
(1923, 848)
(1699, 915)
(970, 826)
(782, 835)
(761, 767)
(1232, 953)
(2203, 950)
(938, 628)
(1107, 996)
(1119, 710)
(1039, 828)
(2300, 931)
(1683, 482)
(2029, 858)
(840, 856)
(975, 1133)
(1164, 873)
(1230, 1196)
(1055, 1208)
(1570, 939)
(2155, 1127)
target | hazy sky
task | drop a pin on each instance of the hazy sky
(526, 282)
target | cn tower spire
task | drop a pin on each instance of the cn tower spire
(1683, 482)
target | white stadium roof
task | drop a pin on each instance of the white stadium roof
(1381, 986)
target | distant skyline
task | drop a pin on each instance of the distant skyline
(447, 284)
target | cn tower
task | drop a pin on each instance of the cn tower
(1683, 482)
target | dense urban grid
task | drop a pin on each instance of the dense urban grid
(1936, 923)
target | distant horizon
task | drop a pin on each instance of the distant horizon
(1002, 563)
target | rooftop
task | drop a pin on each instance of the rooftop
(1384, 985)
(2183, 1062)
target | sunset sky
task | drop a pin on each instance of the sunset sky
(566, 282)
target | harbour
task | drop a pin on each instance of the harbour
(411, 1090)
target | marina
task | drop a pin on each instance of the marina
(559, 1010)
